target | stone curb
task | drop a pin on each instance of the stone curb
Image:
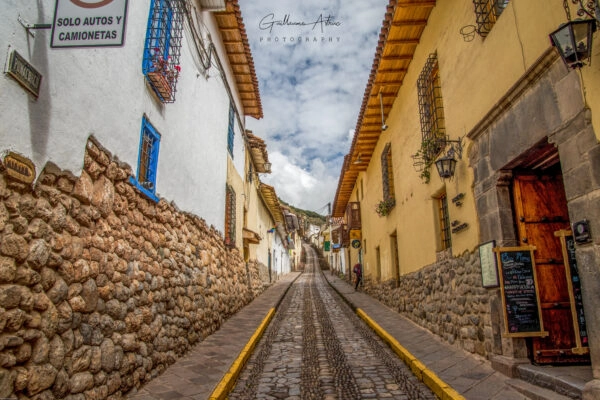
(424, 374)
(226, 384)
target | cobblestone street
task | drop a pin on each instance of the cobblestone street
(317, 348)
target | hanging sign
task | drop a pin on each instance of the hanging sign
(89, 23)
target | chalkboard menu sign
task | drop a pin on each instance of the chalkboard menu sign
(520, 297)
(574, 286)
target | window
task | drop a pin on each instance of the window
(147, 160)
(444, 222)
(387, 174)
(230, 213)
(487, 12)
(431, 109)
(162, 47)
(231, 130)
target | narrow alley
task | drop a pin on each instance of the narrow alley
(316, 347)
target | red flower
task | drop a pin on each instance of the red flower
(178, 68)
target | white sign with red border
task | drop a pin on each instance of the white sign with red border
(89, 23)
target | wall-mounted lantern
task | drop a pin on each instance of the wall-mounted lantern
(573, 39)
(446, 165)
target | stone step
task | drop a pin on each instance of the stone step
(535, 392)
(567, 381)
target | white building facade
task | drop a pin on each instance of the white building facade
(177, 138)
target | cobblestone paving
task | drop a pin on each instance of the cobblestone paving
(317, 348)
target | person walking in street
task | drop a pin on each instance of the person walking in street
(358, 272)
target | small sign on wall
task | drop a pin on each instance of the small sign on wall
(24, 73)
(89, 23)
(19, 168)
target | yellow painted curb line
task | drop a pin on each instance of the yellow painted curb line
(427, 376)
(226, 384)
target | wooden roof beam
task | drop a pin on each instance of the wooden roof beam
(416, 3)
(402, 41)
(397, 58)
(410, 22)
(388, 82)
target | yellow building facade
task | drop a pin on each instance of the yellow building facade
(480, 82)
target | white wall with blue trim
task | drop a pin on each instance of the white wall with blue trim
(102, 91)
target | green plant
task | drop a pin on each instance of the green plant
(423, 158)
(385, 206)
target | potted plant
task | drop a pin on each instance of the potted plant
(384, 207)
(163, 76)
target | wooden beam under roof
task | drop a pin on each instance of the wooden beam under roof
(403, 24)
(397, 57)
(402, 41)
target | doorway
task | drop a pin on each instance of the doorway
(540, 209)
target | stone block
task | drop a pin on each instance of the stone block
(569, 96)
(577, 181)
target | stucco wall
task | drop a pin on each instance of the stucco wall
(100, 288)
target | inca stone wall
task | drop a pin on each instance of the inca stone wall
(447, 298)
(100, 288)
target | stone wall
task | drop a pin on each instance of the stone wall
(447, 298)
(100, 288)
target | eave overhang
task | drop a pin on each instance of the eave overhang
(235, 40)
(258, 152)
(401, 30)
(250, 236)
(270, 198)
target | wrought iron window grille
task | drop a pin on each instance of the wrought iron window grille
(431, 114)
(230, 216)
(147, 160)
(487, 12)
(387, 174)
(163, 46)
(444, 221)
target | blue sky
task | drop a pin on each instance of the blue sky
(313, 60)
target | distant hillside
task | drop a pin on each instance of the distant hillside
(311, 216)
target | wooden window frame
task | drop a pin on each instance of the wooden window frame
(147, 167)
(444, 222)
(230, 216)
(387, 174)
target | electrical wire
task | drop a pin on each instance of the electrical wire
(208, 54)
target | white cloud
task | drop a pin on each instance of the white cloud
(311, 91)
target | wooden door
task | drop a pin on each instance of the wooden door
(541, 209)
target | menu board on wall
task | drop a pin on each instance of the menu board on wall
(574, 286)
(520, 297)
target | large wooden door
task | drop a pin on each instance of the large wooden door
(541, 210)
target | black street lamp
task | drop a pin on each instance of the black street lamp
(446, 166)
(574, 41)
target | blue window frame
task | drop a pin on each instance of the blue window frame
(147, 160)
(162, 47)
(231, 130)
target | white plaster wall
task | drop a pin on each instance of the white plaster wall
(102, 91)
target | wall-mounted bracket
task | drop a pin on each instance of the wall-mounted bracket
(28, 27)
